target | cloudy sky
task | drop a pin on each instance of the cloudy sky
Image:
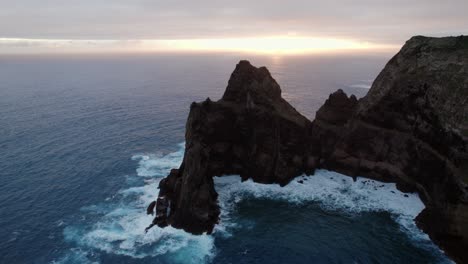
(33, 25)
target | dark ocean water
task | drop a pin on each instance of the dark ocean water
(84, 141)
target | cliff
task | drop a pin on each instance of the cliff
(252, 131)
(411, 128)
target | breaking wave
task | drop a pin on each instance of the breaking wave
(117, 225)
(332, 191)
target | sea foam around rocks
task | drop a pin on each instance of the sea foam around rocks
(117, 225)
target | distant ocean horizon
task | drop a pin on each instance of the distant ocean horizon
(85, 139)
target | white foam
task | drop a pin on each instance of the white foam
(157, 165)
(119, 229)
(332, 191)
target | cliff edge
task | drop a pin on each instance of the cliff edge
(411, 128)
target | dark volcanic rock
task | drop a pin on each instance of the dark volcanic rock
(411, 128)
(251, 131)
(150, 209)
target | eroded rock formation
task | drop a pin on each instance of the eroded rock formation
(251, 131)
(411, 128)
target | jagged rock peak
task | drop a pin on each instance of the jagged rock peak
(250, 81)
(338, 108)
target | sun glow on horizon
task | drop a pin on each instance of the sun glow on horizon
(268, 45)
(273, 45)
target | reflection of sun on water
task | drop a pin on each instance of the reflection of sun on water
(276, 61)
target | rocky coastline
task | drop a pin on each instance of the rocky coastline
(411, 128)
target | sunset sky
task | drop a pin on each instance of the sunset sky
(274, 26)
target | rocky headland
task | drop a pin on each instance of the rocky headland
(411, 128)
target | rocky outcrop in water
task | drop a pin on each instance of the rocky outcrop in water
(411, 128)
(252, 131)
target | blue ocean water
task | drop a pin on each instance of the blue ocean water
(84, 141)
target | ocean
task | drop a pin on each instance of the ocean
(85, 139)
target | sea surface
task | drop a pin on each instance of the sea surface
(84, 141)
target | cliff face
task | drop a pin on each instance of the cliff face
(251, 131)
(411, 128)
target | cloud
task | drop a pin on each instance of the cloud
(365, 20)
(21, 45)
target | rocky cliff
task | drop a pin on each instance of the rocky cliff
(252, 131)
(411, 128)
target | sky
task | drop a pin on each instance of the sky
(270, 26)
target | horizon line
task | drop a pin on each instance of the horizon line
(268, 45)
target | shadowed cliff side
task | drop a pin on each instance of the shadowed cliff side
(411, 129)
(251, 131)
